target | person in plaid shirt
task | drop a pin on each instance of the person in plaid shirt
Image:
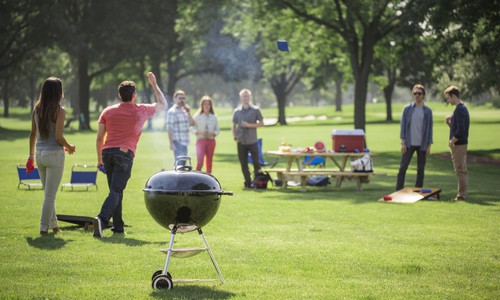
(179, 120)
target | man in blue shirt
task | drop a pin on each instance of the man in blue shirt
(416, 136)
(459, 138)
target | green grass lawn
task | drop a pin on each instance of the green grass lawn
(327, 243)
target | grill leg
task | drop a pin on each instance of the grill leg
(169, 252)
(202, 236)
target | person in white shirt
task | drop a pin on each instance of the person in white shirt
(206, 129)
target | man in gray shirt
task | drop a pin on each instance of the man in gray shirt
(246, 119)
(416, 136)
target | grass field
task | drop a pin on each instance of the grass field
(327, 243)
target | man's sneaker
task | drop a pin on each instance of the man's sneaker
(97, 222)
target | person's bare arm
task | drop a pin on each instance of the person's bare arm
(32, 136)
(61, 115)
(161, 102)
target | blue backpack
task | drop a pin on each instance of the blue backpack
(318, 180)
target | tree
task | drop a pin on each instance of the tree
(96, 34)
(40, 64)
(333, 66)
(467, 38)
(361, 24)
(19, 37)
(405, 63)
(260, 25)
(178, 33)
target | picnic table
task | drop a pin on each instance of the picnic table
(301, 173)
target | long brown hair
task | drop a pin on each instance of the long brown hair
(48, 104)
(209, 99)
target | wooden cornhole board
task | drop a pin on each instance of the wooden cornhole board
(411, 195)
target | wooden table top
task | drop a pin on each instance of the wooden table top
(322, 154)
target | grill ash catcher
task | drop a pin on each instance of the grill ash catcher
(182, 200)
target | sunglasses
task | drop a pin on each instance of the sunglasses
(418, 93)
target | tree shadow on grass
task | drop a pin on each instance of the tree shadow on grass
(50, 242)
(348, 192)
(115, 238)
(127, 241)
(191, 292)
(13, 134)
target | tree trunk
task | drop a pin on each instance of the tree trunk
(33, 95)
(361, 71)
(278, 84)
(281, 97)
(360, 89)
(338, 93)
(83, 90)
(5, 96)
(172, 80)
(156, 69)
(388, 91)
(171, 84)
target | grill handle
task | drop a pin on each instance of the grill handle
(180, 163)
(226, 193)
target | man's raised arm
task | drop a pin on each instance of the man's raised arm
(161, 102)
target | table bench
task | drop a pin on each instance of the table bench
(301, 176)
(301, 172)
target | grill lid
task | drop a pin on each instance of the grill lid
(183, 198)
(183, 180)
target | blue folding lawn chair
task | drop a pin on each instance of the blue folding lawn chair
(261, 157)
(30, 180)
(82, 176)
(317, 161)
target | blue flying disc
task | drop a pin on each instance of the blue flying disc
(283, 45)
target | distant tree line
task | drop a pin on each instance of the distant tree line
(92, 44)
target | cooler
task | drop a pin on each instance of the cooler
(351, 139)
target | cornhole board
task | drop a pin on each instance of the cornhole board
(81, 221)
(411, 195)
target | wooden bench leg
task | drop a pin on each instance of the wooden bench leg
(358, 183)
(283, 180)
(338, 181)
(303, 183)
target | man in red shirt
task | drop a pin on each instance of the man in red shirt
(122, 125)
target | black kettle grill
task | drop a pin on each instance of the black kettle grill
(182, 200)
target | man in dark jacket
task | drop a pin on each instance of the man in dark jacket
(416, 136)
(459, 138)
